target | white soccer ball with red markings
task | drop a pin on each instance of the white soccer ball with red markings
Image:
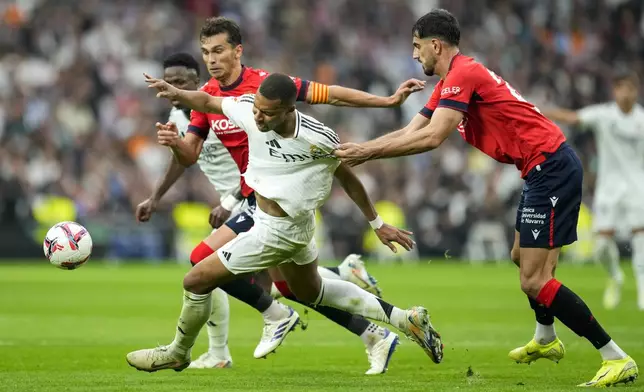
(67, 245)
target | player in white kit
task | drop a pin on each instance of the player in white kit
(182, 71)
(291, 169)
(619, 192)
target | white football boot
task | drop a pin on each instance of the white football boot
(353, 270)
(275, 332)
(153, 359)
(380, 353)
(209, 360)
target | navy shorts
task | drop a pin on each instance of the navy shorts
(549, 208)
(243, 221)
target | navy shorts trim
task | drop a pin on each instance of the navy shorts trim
(243, 221)
(550, 201)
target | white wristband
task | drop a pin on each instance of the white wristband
(229, 202)
(376, 223)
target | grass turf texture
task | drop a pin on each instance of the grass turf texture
(70, 331)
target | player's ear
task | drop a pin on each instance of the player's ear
(437, 45)
(239, 50)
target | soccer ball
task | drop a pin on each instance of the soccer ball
(67, 245)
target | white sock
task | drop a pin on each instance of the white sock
(607, 254)
(611, 351)
(275, 292)
(217, 325)
(194, 314)
(275, 312)
(545, 334)
(372, 335)
(327, 273)
(347, 296)
(638, 265)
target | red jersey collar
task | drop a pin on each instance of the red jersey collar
(236, 83)
(451, 62)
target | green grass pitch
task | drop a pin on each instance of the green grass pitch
(70, 331)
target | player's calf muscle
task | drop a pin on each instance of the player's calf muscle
(304, 281)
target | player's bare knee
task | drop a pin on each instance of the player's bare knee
(193, 283)
(530, 285)
(189, 283)
(533, 280)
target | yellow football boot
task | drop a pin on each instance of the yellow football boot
(532, 351)
(618, 371)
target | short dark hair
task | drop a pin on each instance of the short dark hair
(218, 25)
(438, 23)
(181, 60)
(624, 75)
(279, 86)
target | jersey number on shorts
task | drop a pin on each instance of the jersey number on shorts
(514, 92)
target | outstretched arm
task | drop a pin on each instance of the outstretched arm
(344, 96)
(565, 116)
(199, 101)
(429, 137)
(418, 122)
(355, 190)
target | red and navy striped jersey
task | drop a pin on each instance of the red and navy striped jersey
(496, 118)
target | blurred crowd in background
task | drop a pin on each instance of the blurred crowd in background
(76, 122)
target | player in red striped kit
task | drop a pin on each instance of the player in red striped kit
(493, 117)
(222, 50)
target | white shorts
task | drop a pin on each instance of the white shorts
(271, 242)
(626, 212)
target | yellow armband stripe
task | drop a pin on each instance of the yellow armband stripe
(319, 93)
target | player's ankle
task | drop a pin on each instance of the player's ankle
(219, 352)
(179, 351)
(275, 312)
(612, 352)
(372, 335)
(545, 334)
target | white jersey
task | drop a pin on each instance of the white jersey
(296, 173)
(620, 149)
(215, 160)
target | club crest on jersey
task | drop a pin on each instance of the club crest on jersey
(316, 152)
